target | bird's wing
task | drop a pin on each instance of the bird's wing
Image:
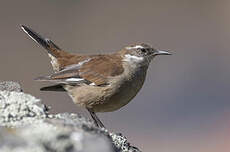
(92, 71)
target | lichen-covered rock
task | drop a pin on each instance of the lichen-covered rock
(19, 109)
(10, 86)
(26, 126)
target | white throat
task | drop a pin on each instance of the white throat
(133, 59)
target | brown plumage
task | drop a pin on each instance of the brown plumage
(100, 83)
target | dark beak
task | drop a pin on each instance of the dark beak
(161, 52)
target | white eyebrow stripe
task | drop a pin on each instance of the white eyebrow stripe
(135, 47)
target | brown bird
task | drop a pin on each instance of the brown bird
(99, 83)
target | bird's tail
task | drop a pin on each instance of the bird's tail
(57, 87)
(52, 48)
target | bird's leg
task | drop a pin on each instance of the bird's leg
(96, 120)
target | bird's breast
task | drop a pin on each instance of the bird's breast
(122, 90)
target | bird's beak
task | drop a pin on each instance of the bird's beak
(160, 52)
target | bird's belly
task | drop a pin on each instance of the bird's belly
(126, 92)
(118, 100)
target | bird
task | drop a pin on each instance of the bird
(97, 82)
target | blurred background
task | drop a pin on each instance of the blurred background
(184, 104)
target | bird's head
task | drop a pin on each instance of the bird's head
(141, 53)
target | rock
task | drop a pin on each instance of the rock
(26, 126)
(10, 86)
(18, 109)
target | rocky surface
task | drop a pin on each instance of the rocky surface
(10, 86)
(26, 126)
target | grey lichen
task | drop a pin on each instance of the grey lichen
(10, 86)
(122, 143)
(19, 109)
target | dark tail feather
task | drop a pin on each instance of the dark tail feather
(53, 88)
(52, 48)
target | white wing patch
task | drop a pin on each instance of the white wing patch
(92, 84)
(74, 79)
(76, 66)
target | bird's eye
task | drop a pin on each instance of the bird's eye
(143, 50)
